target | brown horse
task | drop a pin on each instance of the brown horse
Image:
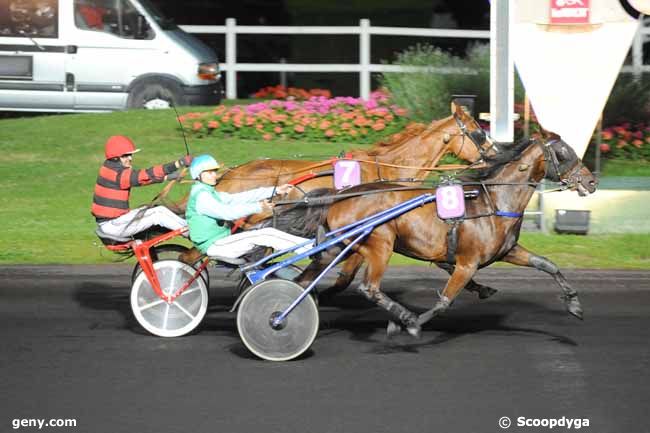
(484, 236)
(410, 155)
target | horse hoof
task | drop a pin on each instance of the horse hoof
(414, 331)
(485, 292)
(392, 329)
(576, 309)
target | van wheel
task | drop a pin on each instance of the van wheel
(156, 96)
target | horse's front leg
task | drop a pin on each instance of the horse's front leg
(377, 252)
(349, 270)
(519, 255)
(462, 274)
(483, 291)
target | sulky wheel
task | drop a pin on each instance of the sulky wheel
(290, 272)
(169, 252)
(180, 317)
(263, 302)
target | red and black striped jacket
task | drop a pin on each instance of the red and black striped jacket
(113, 187)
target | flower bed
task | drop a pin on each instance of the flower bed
(626, 141)
(290, 93)
(318, 118)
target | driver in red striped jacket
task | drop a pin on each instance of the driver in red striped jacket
(113, 188)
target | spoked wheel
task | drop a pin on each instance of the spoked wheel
(263, 303)
(169, 252)
(180, 317)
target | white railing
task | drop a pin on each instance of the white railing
(364, 68)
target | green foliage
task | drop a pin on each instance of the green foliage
(629, 101)
(427, 94)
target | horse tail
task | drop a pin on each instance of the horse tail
(302, 219)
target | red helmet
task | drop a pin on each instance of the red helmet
(119, 145)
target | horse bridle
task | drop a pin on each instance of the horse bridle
(572, 177)
(477, 136)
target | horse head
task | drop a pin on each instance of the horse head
(563, 165)
(481, 146)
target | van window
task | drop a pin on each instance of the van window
(29, 18)
(117, 17)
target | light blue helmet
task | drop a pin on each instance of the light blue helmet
(202, 163)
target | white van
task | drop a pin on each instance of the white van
(100, 55)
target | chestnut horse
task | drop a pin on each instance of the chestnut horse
(489, 232)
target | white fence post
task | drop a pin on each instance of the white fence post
(637, 52)
(502, 73)
(364, 59)
(231, 58)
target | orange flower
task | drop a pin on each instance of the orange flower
(345, 125)
(299, 128)
(360, 121)
(197, 126)
(378, 126)
(259, 126)
(324, 124)
(604, 147)
(267, 136)
(213, 124)
(621, 143)
(277, 130)
(330, 133)
(637, 143)
(607, 135)
(353, 132)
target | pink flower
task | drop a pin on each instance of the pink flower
(267, 136)
(604, 147)
(330, 133)
(299, 128)
(637, 143)
(277, 130)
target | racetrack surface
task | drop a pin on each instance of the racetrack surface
(70, 348)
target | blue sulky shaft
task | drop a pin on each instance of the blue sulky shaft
(355, 228)
(308, 290)
(361, 230)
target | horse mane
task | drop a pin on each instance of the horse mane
(411, 131)
(509, 152)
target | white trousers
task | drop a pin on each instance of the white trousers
(237, 245)
(140, 219)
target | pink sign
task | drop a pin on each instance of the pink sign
(569, 11)
(450, 201)
(346, 173)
